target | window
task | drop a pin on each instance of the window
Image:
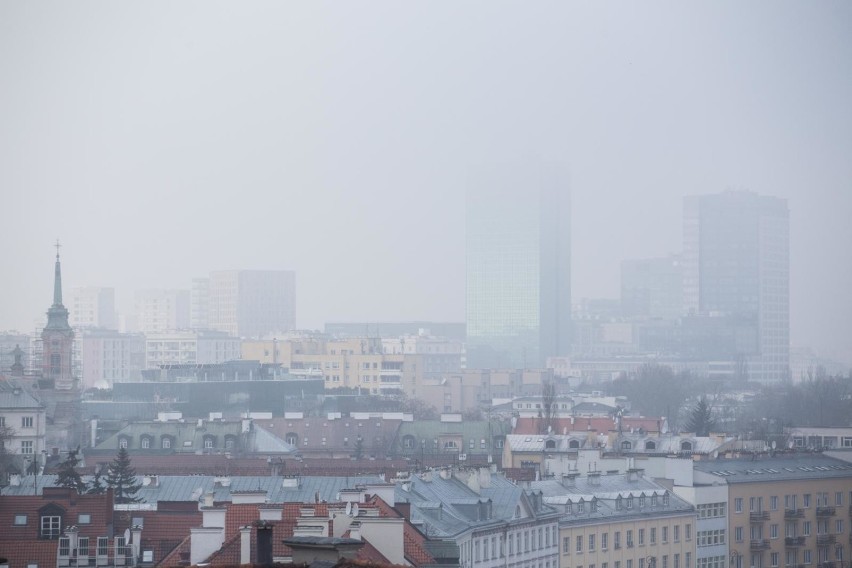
(629, 538)
(83, 546)
(641, 537)
(122, 443)
(665, 561)
(166, 443)
(591, 543)
(27, 447)
(838, 526)
(738, 505)
(806, 500)
(838, 498)
(807, 557)
(145, 443)
(84, 519)
(665, 534)
(773, 559)
(147, 556)
(64, 546)
(676, 534)
(579, 549)
(604, 538)
(653, 535)
(738, 534)
(686, 446)
(773, 503)
(711, 538)
(103, 546)
(711, 510)
(208, 443)
(26, 422)
(20, 520)
(50, 526)
(617, 540)
(566, 545)
(650, 445)
(688, 531)
(687, 560)
(677, 561)
(806, 528)
(773, 531)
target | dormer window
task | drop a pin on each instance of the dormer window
(550, 445)
(51, 526)
(123, 443)
(625, 445)
(145, 442)
(618, 503)
(666, 499)
(686, 446)
(650, 445)
(574, 444)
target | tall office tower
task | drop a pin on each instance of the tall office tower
(158, 311)
(252, 303)
(736, 256)
(199, 304)
(652, 288)
(92, 306)
(518, 290)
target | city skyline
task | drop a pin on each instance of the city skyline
(234, 167)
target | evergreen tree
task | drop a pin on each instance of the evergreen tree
(96, 486)
(701, 419)
(121, 477)
(67, 473)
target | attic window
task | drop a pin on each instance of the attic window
(550, 444)
(574, 444)
(20, 520)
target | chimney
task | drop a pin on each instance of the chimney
(264, 545)
(355, 530)
(136, 542)
(485, 477)
(207, 500)
(569, 479)
(245, 545)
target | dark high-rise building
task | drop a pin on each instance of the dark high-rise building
(518, 290)
(57, 339)
(736, 263)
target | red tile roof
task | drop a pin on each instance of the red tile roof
(413, 540)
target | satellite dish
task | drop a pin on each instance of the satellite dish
(127, 536)
(355, 510)
(349, 507)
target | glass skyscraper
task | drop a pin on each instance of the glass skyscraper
(518, 292)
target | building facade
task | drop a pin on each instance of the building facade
(252, 303)
(736, 261)
(652, 288)
(159, 311)
(108, 356)
(199, 304)
(518, 265)
(190, 347)
(93, 306)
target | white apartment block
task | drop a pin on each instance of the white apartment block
(190, 347)
(107, 357)
(199, 304)
(159, 311)
(92, 306)
(252, 303)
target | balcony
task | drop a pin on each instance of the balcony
(758, 516)
(826, 565)
(794, 513)
(826, 539)
(825, 511)
(760, 544)
(794, 541)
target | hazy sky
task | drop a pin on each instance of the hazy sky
(161, 140)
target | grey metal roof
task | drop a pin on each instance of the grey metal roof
(193, 487)
(781, 468)
(605, 491)
(15, 397)
(447, 507)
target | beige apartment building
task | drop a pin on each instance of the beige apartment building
(351, 363)
(456, 392)
(620, 521)
(791, 511)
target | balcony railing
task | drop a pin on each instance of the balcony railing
(794, 513)
(825, 511)
(760, 544)
(826, 565)
(825, 539)
(794, 541)
(758, 516)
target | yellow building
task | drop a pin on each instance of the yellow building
(790, 511)
(620, 521)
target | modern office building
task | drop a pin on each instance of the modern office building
(652, 288)
(518, 290)
(252, 303)
(736, 263)
(159, 311)
(199, 304)
(93, 306)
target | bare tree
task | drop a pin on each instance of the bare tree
(549, 407)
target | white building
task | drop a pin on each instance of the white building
(24, 418)
(107, 356)
(160, 311)
(190, 347)
(91, 306)
(252, 303)
(199, 304)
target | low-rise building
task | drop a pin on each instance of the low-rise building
(620, 521)
(190, 347)
(24, 421)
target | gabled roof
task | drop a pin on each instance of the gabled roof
(15, 397)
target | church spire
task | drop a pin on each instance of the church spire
(57, 279)
(57, 315)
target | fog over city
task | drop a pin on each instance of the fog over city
(160, 142)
